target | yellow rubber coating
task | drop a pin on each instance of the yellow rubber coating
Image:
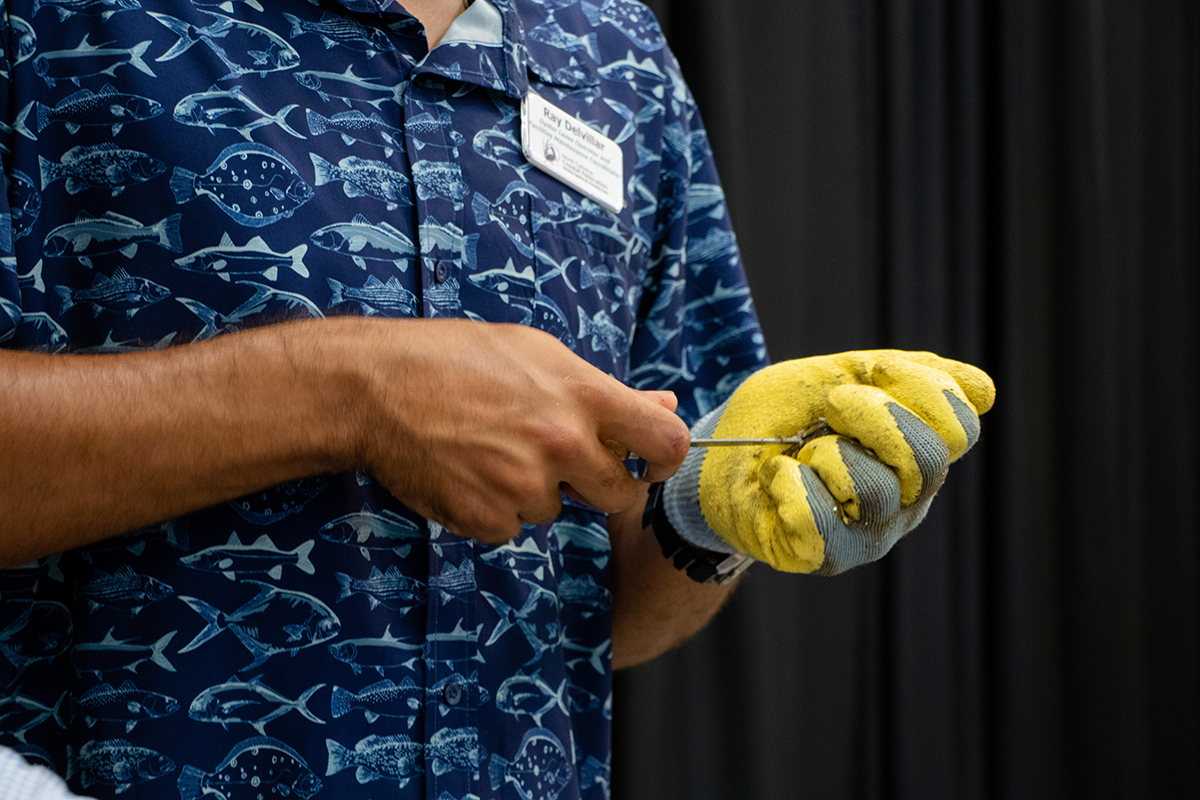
(754, 497)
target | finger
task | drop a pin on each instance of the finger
(599, 478)
(542, 509)
(866, 490)
(976, 384)
(648, 429)
(667, 400)
(898, 437)
(933, 395)
(803, 509)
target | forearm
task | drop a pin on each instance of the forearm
(655, 606)
(92, 446)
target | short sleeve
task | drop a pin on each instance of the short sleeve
(698, 333)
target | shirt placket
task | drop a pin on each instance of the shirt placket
(453, 759)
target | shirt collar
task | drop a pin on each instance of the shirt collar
(487, 44)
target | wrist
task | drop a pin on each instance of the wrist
(701, 564)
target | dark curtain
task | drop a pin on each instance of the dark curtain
(1013, 184)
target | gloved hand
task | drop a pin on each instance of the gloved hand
(895, 420)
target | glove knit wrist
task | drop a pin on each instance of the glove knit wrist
(681, 494)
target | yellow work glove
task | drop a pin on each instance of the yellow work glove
(893, 422)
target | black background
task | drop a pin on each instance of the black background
(1013, 184)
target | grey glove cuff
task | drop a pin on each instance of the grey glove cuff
(681, 494)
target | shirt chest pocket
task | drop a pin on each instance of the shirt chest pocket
(589, 267)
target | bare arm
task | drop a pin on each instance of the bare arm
(655, 606)
(476, 426)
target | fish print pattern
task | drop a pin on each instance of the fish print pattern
(183, 169)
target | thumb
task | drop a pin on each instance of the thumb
(667, 400)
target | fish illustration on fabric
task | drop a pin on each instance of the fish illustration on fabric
(454, 582)
(20, 714)
(106, 108)
(250, 182)
(613, 239)
(33, 630)
(25, 578)
(633, 20)
(540, 770)
(172, 532)
(365, 178)
(255, 257)
(630, 70)
(439, 179)
(230, 109)
(25, 38)
(459, 247)
(258, 767)
(55, 336)
(364, 240)
(122, 293)
(101, 8)
(754, 345)
(556, 213)
(395, 757)
(88, 236)
(502, 149)
(390, 589)
(532, 696)
(452, 749)
(261, 557)
(268, 506)
(277, 304)
(375, 297)
(350, 88)
(356, 127)
(583, 591)
(8, 329)
(368, 530)
(592, 536)
(633, 119)
(336, 30)
(515, 287)
(124, 589)
(87, 59)
(550, 33)
(426, 123)
(25, 204)
(249, 702)
(111, 654)
(473, 695)
(541, 604)
(273, 621)
(101, 165)
(455, 646)
(111, 345)
(596, 656)
(581, 700)
(604, 333)
(383, 698)
(377, 653)
(244, 47)
(227, 5)
(125, 703)
(511, 211)
(594, 772)
(524, 559)
(115, 762)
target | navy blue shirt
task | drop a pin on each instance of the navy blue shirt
(187, 168)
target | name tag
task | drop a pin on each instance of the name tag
(573, 152)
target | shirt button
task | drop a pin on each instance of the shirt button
(441, 271)
(452, 694)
